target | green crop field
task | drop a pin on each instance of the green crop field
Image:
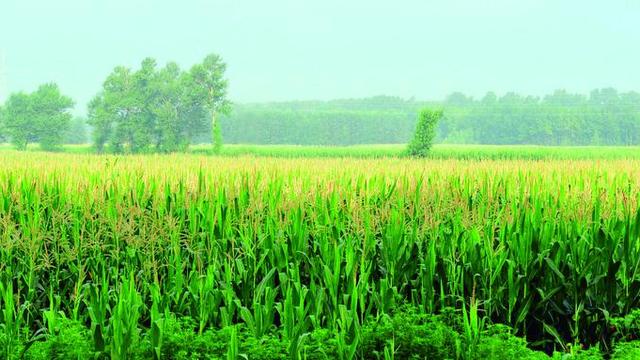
(328, 180)
(188, 256)
(440, 151)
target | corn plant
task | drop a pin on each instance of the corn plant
(292, 246)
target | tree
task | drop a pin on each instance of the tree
(51, 115)
(18, 120)
(101, 122)
(77, 132)
(210, 91)
(2, 129)
(178, 115)
(155, 109)
(425, 132)
(42, 116)
(111, 110)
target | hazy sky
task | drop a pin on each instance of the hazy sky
(323, 49)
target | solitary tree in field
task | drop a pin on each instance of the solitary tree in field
(425, 132)
(209, 85)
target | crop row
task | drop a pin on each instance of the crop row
(120, 243)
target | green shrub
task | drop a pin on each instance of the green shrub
(320, 344)
(425, 132)
(627, 351)
(182, 341)
(72, 341)
(627, 327)
(499, 344)
(415, 336)
(411, 334)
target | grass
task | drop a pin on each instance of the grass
(440, 151)
(316, 256)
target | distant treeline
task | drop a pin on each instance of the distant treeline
(376, 120)
(157, 113)
(604, 117)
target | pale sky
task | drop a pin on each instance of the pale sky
(296, 50)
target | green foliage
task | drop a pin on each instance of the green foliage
(378, 120)
(2, 124)
(439, 151)
(217, 138)
(317, 256)
(71, 340)
(425, 132)
(209, 89)
(123, 323)
(42, 117)
(406, 334)
(627, 327)
(578, 353)
(498, 343)
(605, 117)
(627, 351)
(157, 110)
(77, 132)
(414, 335)
(19, 123)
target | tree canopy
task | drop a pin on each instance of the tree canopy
(165, 109)
(157, 109)
(39, 117)
(604, 117)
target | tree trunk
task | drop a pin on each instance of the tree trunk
(216, 136)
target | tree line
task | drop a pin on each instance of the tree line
(166, 109)
(150, 109)
(604, 117)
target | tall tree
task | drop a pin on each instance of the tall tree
(52, 116)
(101, 121)
(155, 109)
(210, 90)
(177, 116)
(42, 116)
(112, 113)
(19, 123)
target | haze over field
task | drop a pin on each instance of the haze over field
(282, 50)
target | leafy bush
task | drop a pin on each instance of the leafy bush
(72, 341)
(414, 335)
(499, 344)
(627, 351)
(425, 132)
(627, 327)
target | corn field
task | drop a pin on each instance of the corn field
(119, 244)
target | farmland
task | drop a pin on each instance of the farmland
(439, 151)
(300, 180)
(191, 256)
